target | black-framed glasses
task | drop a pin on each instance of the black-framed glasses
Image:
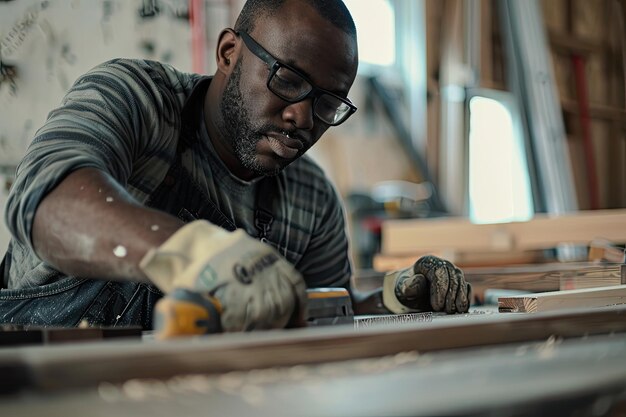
(292, 86)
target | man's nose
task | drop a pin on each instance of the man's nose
(300, 114)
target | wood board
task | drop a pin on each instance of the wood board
(28, 335)
(545, 277)
(383, 262)
(548, 378)
(532, 277)
(409, 236)
(591, 279)
(561, 300)
(69, 366)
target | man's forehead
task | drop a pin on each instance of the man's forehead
(299, 16)
(300, 37)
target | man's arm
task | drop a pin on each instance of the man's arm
(91, 227)
(67, 203)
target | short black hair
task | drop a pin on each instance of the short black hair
(334, 11)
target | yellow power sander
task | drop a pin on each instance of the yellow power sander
(185, 313)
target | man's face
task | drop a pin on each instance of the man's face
(238, 124)
(267, 132)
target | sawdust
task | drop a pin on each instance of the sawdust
(547, 349)
(250, 385)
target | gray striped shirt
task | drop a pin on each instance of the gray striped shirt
(124, 117)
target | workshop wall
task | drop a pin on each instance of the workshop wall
(593, 32)
(49, 44)
(46, 45)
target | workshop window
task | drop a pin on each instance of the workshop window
(496, 146)
(376, 31)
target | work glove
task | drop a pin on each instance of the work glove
(431, 284)
(256, 287)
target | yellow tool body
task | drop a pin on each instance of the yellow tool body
(187, 313)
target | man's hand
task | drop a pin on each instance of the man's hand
(257, 288)
(431, 284)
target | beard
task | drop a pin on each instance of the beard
(240, 131)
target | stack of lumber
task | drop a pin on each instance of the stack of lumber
(404, 240)
(563, 300)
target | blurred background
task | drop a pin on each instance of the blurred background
(491, 111)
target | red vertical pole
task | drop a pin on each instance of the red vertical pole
(197, 23)
(583, 113)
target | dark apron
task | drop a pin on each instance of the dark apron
(71, 300)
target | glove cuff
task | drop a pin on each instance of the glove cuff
(390, 301)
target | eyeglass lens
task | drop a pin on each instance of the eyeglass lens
(292, 87)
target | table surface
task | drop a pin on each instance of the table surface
(522, 378)
(554, 377)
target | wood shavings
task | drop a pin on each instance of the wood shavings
(252, 394)
(109, 392)
(190, 384)
(250, 385)
(522, 350)
(143, 389)
(547, 349)
(231, 382)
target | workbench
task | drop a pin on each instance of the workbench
(561, 363)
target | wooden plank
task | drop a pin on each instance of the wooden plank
(434, 33)
(555, 15)
(551, 377)
(616, 95)
(86, 365)
(543, 277)
(560, 300)
(384, 263)
(598, 111)
(486, 43)
(453, 76)
(566, 44)
(26, 335)
(409, 236)
(533, 277)
(601, 250)
(592, 278)
(588, 18)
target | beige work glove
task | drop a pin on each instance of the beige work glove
(257, 288)
(431, 284)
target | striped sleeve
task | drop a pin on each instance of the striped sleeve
(326, 261)
(105, 121)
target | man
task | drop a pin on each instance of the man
(136, 184)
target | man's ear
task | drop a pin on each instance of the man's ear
(227, 51)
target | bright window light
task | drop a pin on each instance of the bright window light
(499, 185)
(375, 25)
